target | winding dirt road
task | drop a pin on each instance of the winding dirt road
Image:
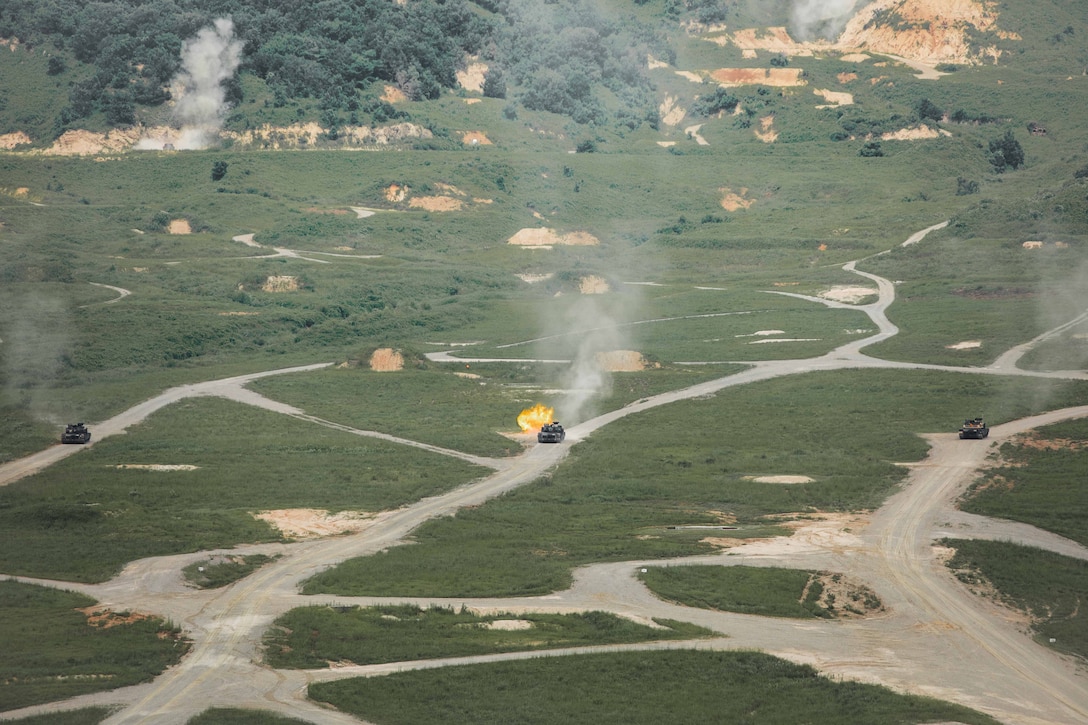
(935, 637)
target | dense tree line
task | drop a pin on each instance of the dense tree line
(560, 56)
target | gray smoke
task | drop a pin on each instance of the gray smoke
(811, 19)
(207, 60)
(36, 337)
(586, 380)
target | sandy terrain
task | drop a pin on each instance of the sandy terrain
(436, 203)
(834, 98)
(472, 77)
(9, 141)
(621, 361)
(386, 359)
(846, 293)
(593, 284)
(914, 134)
(732, 201)
(475, 138)
(179, 226)
(310, 523)
(778, 77)
(544, 237)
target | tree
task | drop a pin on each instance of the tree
(1006, 153)
(871, 149)
(927, 110)
(219, 170)
(494, 84)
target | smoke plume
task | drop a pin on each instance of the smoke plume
(811, 19)
(206, 61)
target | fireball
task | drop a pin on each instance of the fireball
(533, 418)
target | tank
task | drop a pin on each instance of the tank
(551, 433)
(974, 428)
(75, 433)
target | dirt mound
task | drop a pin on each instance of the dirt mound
(158, 466)
(835, 98)
(475, 138)
(310, 523)
(732, 201)
(778, 77)
(965, 345)
(179, 226)
(436, 203)
(593, 285)
(621, 361)
(280, 283)
(544, 237)
(771, 40)
(11, 140)
(386, 360)
(914, 134)
(395, 193)
(84, 143)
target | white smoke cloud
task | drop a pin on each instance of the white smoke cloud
(812, 19)
(206, 61)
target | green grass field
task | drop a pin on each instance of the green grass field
(403, 633)
(52, 651)
(637, 687)
(688, 280)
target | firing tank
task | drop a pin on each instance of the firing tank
(551, 433)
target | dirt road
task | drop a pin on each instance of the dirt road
(936, 637)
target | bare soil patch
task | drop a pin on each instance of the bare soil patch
(386, 359)
(671, 112)
(392, 94)
(543, 237)
(778, 77)
(436, 203)
(105, 619)
(475, 138)
(965, 345)
(772, 40)
(158, 466)
(845, 78)
(311, 523)
(850, 295)
(732, 201)
(766, 132)
(779, 479)
(621, 361)
(593, 285)
(835, 98)
(9, 141)
(811, 533)
(179, 226)
(280, 283)
(914, 134)
(472, 77)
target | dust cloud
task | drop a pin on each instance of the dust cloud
(206, 61)
(812, 19)
(36, 339)
(590, 326)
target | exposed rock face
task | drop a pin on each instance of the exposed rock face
(931, 31)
